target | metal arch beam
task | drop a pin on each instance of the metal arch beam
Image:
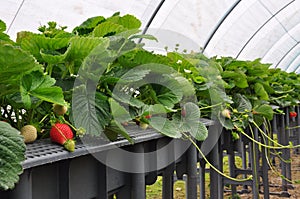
(151, 18)
(282, 58)
(273, 15)
(296, 43)
(297, 70)
(10, 25)
(293, 60)
(219, 24)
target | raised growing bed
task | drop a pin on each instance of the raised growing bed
(52, 172)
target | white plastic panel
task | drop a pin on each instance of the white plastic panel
(288, 63)
(35, 13)
(238, 28)
(295, 60)
(263, 40)
(195, 19)
(254, 28)
(275, 6)
(290, 16)
(276, 54)
(9, 8)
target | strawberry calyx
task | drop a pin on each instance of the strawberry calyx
(69, 145)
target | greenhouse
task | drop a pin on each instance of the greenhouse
(149, 99)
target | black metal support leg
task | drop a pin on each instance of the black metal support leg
(255, 164)
(265, 169)
(202, 179)
(23, 189)
(168, 182)
(192, 173)
(138, 182)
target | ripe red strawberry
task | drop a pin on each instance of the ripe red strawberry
(148, 116)
(62, 134)
(183, 112)
(293, 114)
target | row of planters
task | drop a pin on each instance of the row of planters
(97, 81)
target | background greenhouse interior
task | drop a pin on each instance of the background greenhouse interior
(265, 30)
(243, 29)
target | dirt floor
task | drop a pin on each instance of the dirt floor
(276, 182)
(275, 185)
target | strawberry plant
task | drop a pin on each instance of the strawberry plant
(25, 93)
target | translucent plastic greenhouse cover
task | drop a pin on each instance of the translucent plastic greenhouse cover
(245, 29)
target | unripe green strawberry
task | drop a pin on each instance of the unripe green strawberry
(59, 109)
(226, 113)
(29, 133)
(143, 125)
(62, 134)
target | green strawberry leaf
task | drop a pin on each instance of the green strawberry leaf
(41, 86)
(36, 43)
(12, 154)
(242, 103)
(260, 91)
(2, 26)
(119, 113)
(264, 110)
(114, 128)
(165, 126)
(90, 110)
(108, 29)
(88, 26)
(191, 122)
(129, 22)
(14, 63)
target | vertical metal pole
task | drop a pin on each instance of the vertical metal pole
(168, 172)
(265, 169)
(138, 182)
(192, 173)
(254, 165)
(64, 179)
(202, 179)
(216, 192)
(232, 167)
(274, 131)
(102, 181)
(283, 142)
(298, 129)
(244, 164)
(23, 189)
(168, 182)
(287, 151)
